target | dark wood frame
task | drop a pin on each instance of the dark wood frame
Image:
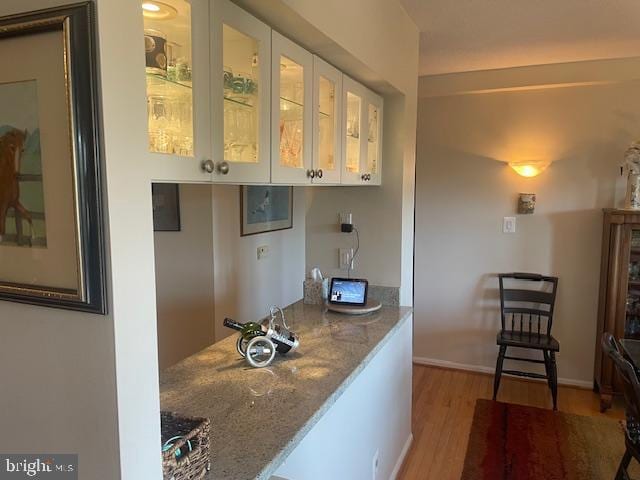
(242, 233)
(614, 277)
(176, 191)
(77, 22)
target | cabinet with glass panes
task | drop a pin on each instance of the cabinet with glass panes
(178, 129)
(361, 134)
(291, 115)
(327, 108)
(619, 298)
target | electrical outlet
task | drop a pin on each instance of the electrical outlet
(346, 254)
(263, 251)
(374, 465)
(345, 218)
(509, 225)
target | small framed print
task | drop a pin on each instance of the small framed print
(166, 207)
(51, 223)
(265, 208)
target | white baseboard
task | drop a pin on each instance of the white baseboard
(403, 454)
(570, 382)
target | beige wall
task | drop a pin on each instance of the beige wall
(464, 189)
(184, 279)
(245, 286)
(57, 367)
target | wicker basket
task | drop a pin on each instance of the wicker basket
(193, 464)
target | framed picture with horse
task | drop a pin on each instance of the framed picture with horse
(51, 225)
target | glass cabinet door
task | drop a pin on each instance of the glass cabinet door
(632, 321)
(291, 122)
(173, 71)
(327, 96)
(353, 118)
(362, 134)
(241, 57)
(374, 140)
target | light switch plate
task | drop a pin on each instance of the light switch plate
(345, 257)
(509, 225)
(263, 251)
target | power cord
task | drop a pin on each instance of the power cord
(355, 253)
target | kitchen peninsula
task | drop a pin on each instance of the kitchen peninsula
(348, 385)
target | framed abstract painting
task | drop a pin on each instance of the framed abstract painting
(51, 235)
(265, 208)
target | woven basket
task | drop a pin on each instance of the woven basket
(191, 465)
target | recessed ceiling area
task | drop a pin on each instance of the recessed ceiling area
(468, 35)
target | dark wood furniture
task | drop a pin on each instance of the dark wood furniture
(619, 298)
(631, 390)
(526, 320)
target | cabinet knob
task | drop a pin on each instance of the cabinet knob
(319, 173)
(311, 173)
(207, 166)
(364, 177)
(223, 168)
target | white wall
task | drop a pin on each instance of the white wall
(246, 287)
(464, 188)
(372, 415)
(184, 279)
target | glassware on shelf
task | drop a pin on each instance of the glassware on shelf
(291, 113)
(372, 140)
(352, 162)
(634, 271)
(168, 75)
(241, 96)
(326, 134)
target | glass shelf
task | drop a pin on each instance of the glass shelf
(290, 102)
(157, 81)
(238, 102)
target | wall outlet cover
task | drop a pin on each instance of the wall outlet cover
(509, 225)
(263, 251)
(346, 254)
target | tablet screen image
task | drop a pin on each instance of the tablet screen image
(348, 291)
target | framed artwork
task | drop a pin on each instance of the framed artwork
(265, 209)
(166, 207)
(51, 224)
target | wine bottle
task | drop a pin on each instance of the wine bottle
(285, 341)
(247, 330)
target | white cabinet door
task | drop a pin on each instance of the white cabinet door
(291, 112)
(361, 134)
(327, 112)
(240, 95)
(176, 35)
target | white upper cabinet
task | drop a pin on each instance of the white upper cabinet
(231, 101)
(241, 95)
(291, 112)
(361, 134)
(327, 112)
(176, 43)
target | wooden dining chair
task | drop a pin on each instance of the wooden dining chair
(631, 390)
(526, 316)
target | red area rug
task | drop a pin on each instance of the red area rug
(515, 442)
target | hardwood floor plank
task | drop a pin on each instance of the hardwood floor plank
(443, 406)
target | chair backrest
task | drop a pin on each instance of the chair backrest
(630, 383)
(528, 310)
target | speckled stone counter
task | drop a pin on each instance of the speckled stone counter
(258, 416)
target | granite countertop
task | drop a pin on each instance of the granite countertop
(258, 416)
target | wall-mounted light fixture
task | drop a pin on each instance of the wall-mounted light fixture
(529, 168)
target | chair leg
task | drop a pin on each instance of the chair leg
(498, 374)
(547, 368)
(624, 464)
(554, 379)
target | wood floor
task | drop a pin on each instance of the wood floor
(443, 403)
